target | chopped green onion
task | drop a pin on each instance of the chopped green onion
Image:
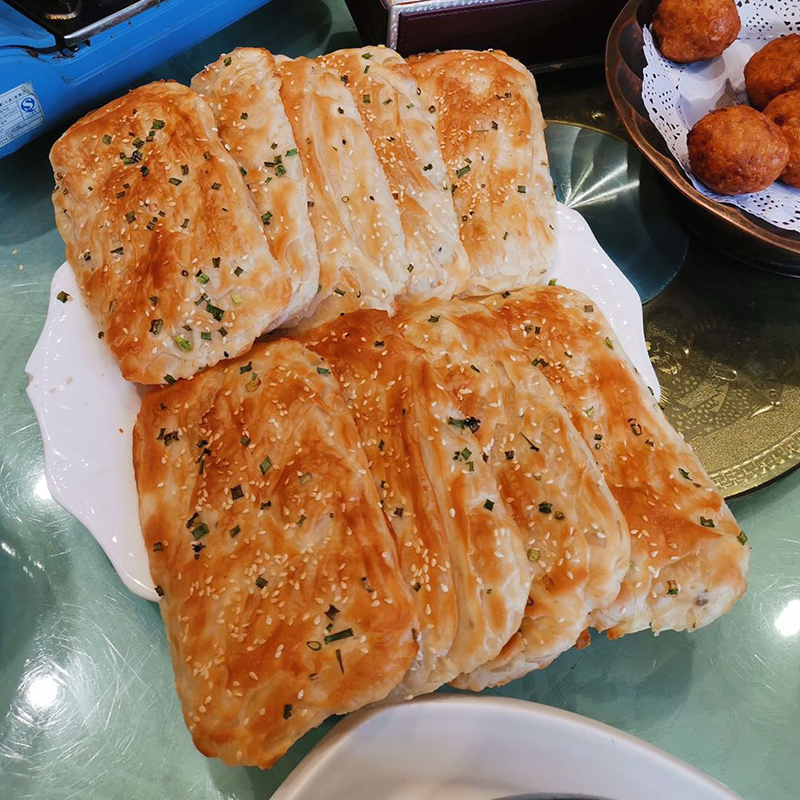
(265, 466)
(522, 189)
(155, 326)
(292, 152)
(707, 523)
(460, 173)
(742, 537)
(200, 531)
(205, 335)
(335, 637)
(63, 297)
(323, 371)
(672, 587)
(169, 379)
(609, 343)
(236, 492)
(175, 181)
(157, 124)
(533, 554)
(202, 277)
(488, 505)
(305, 478)
(215, 186)
(545, 508)
(215, 311)
(236, 299)
(261, 582)
(182, 342)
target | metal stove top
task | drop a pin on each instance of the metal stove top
(74, 21)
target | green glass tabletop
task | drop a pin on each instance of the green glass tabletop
(87, 705)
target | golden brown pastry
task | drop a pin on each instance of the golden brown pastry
(784, 111)
(486, 111)
(570, 525)
(407, 147)
(458, 547)
(695, 30)
(243, 90)
(360, 240)
(276, 569)
(773, 70)
(688, 555)
(165, 243)
(736, 150)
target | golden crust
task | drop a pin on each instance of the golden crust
(773, 70)
(243, 90)
(265, 536)
(695, 30)
(570, 525)
(458, 547)
(689, 564)
(360, 241)
(407, 147)
(486, 111)
(784, 111)
(167, 240)
(736, 150)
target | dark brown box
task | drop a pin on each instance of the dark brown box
(537, 32)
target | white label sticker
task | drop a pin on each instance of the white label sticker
(20, 111)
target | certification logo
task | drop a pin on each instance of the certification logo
(28, 105)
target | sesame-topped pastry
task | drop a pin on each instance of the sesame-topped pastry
(360, 239)
(573, 532)
(458, 548)
(486, 111)
(688, 556)
(405, 141)
(243, 90)
(276, 568)
(162, 236)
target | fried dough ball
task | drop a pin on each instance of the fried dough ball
(737, 150)
(773, 70)
(784, 111)
(695, 30)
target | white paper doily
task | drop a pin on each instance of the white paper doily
(678, 95)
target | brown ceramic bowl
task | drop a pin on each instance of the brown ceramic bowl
(729, 228)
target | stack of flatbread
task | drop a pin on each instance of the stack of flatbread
(443, 472)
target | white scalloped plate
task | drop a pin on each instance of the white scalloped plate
(481, 748)
(86, 409)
